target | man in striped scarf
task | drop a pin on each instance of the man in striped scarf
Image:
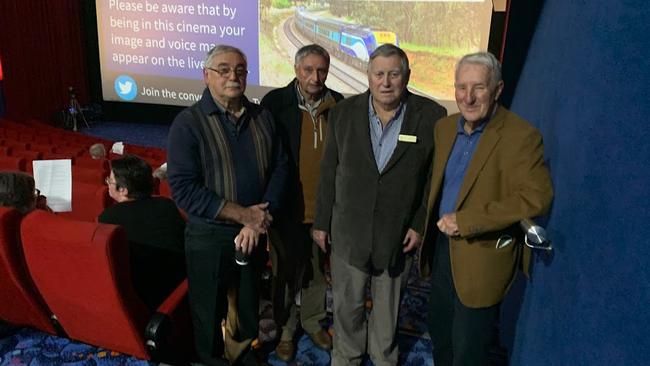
(227, 170)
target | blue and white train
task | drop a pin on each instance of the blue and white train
(350, 42)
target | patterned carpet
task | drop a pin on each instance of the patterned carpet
(29, 347)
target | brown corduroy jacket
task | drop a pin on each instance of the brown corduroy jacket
(506, 181)
(368, 212)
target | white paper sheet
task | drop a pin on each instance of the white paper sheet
(118, 148)
(54, 180)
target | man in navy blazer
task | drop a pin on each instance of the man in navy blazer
(371, 203)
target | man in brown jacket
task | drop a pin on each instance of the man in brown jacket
(300, 111)
(488, 174)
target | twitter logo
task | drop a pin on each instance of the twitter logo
(125, 87)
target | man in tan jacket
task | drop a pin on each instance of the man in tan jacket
(488, 174)
(300, 111)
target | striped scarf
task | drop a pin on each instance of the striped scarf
(216, 155)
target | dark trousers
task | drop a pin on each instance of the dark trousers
(460, 335)
(298, 267)
(215, 281)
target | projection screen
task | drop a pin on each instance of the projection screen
(152, 51)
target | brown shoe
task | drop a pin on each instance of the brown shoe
(285, 350)
(321, 339)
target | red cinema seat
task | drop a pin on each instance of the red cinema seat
(88, 201)
(5, 151)
(17, 145)
(29, 157)
(26, 136)
(70, 150)
(82, 271)
(164, 189)
(39, 125)
(42, 139)
(11, 134)
(88, 175)
(86, 161)
(113, 156)
(20, 302)
(44, 148)
(59, 156)
(12, 163)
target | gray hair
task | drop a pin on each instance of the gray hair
(388, 50)
(486, 59)
(97, 151)
(219, 49)
(311, 49)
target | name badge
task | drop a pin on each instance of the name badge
(407, 138)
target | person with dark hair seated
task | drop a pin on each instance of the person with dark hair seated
(18, 190)
(154, 228)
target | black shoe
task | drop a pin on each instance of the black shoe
(251, 358)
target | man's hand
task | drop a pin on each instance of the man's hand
(246, 240)
(257, 217)
(321, 239)
(411, 241)
(447, 224)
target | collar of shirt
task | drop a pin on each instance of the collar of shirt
(458, 162)
(232, 116)
(226, 116)
(304, 105)
(384, 138)
(210, 105)
(481, 126)
(460, 129)
(374, 118)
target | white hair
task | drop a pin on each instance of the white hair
(486, 59)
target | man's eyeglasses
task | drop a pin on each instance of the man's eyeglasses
(108, 181)
(226, 71)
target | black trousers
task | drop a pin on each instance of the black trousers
(212, 272)
(298, 267)
(461, 336)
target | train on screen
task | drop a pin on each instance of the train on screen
(349, 42)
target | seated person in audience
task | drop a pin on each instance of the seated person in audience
(154, 228)
(18, 190)
(97, 151)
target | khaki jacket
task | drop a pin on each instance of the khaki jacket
(506, 181)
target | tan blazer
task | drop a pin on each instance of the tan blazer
(506, 181)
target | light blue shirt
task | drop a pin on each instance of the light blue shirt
(384, 138)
